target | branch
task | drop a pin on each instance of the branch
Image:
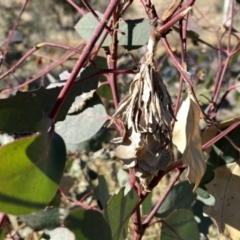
(34, 49)
(80, 10)
(163, 197)
(221, 135)
(86, 52)
(183, 36)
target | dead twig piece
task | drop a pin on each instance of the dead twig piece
(171, 10)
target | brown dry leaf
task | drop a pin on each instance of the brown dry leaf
(212, 131)
(225, 188)
(186, 137)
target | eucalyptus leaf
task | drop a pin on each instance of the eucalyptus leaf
(180, 225)
(31, 169)
(101, 191)
(88, 225)
(180, 196)
(147, 204)
(87, 117)
(118, 212)
(21, 112)
(133, 33)
(49, 218)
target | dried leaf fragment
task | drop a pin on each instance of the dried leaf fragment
(225, 188)
(186, 137)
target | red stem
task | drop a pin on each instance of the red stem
(162, 198)
(136, 216)
(176, 62)
(89, 8)
(218, 87)
(183, 36)
(34, 49)
(220, 135)
(226, 93)
(80, 10)
(230, 26)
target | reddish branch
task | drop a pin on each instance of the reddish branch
(183, 36)
(80, 10)
(36, 48)
(162, 198)
(86, 52)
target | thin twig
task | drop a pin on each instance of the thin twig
(221, 135)
(34, 49)
(80, 10)
(176, 62)
(162, 198)
(183, 36)
(89, 8)
(14, 28)
(225, 94)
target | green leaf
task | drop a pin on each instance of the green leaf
(101, 191)
(4, 230)
(101, 62)
(45, 219)
(180, 225)
(88, 225)
(21, 112)
(118, 212)
(82, 123)
(31, 169)
(136, 32)
(180, 196)
(147, 204)
(105, 91)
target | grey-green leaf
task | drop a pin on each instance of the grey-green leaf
(180, 196)
(49, 218)
(133, 33)
(88, 225)
(85, 120)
